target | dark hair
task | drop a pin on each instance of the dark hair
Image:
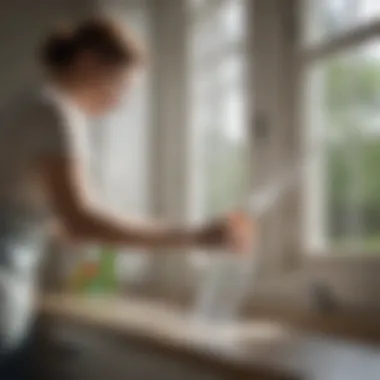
(101, 36)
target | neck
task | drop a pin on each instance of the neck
(70, 90)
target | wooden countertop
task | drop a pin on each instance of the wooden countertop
(354, 326)
(262, 348)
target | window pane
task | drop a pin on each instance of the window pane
(231, 20)
(346, 101)
(220, 161)
(205, 40)
(219, 32)
(220, 125)
(230, 71)
(225, 164)
(328, 18)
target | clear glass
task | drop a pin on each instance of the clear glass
(345, 99)
(220, 159)
(221, 31)
(231, 20)
(329, 18)
(230, 71)
(221, 116)
(223, 289)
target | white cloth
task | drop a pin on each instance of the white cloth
(41, 123)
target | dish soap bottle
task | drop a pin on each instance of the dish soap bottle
(107, 278)
(85, 272)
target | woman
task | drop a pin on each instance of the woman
(87, 69)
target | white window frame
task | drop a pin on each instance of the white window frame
(277, 61)
(353, 37)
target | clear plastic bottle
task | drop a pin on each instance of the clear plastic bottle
(223, 289)
(225, 283)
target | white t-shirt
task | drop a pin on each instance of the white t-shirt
(37, 123)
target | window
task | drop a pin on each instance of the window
(343, 189)
(329, 18)
(218, 77)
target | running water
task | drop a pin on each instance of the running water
(229, 278)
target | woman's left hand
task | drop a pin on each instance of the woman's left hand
(235, 232)
(241, 232)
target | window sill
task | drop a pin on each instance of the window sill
(351, 325)
(342, 255)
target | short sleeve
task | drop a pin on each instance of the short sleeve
(53, 133)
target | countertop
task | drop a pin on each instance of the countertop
(263, 347)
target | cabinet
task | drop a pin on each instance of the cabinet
(67, 352)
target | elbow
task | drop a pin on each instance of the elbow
(76, 222)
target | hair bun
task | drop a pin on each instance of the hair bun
(59, 49)
(100, 36)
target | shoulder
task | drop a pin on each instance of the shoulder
(44, 108)
(31, 107)
(44, 122)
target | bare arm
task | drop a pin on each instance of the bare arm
(63, 182)
(57, 153)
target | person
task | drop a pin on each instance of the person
(87, 68)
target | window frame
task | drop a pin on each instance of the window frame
(309, 54)
(276, 103)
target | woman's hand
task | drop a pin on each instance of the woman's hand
(235, 232)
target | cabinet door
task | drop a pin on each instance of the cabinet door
(73, 352)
